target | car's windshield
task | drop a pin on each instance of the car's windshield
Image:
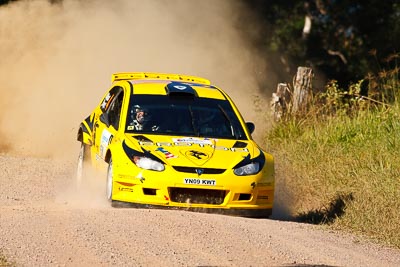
(203, 117)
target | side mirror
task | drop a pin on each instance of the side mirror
(250, 126)
(105, 119)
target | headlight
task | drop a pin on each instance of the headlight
(148, 164)
(248, 169)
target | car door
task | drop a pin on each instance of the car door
(108, 120)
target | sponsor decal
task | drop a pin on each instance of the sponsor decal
(197, 181)
(203, 143)
(163, 144)
(126, 176)
(106, 138)
(167, 154)
(106, 101)
(125, 189)
(194, 140)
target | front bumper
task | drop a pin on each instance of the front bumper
(249, 213)
(223, 193)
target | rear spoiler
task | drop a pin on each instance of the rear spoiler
(157, 76)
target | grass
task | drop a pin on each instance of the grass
(339, 164)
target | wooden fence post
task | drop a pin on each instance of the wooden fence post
(281, 101)
(286, 102)
(302, 88)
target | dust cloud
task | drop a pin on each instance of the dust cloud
(89, 193)
(57, 60)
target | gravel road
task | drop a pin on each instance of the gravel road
(45, 222)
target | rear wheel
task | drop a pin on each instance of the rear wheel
(83, 164)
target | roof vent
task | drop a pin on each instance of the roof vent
(179, 89)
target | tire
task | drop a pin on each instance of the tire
(83, 165)
(120, 204)
(109, 183)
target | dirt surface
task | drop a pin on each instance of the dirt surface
(44, 221)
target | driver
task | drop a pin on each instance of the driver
(141, 119)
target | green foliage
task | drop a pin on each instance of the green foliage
(374, 92)
(287, 26)
(340, 164)
(337, 100)
(343, 34)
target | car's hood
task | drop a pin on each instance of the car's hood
(192, 151)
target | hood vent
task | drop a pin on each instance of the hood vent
(239, 144)
(142, 138)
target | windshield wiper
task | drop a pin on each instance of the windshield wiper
(230, 122)
(196, 131)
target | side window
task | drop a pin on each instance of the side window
(112, 105)
(108, 99)
(114, 111)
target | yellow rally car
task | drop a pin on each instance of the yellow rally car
(176, 141)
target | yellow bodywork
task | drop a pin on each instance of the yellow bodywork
(207, 183)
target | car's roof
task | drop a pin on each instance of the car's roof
(145, 83)
(158, 88)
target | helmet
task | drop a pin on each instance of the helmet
(138, 108)
(140, 113)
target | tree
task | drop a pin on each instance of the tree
(343, 39)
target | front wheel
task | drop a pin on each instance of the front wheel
(109, 185)
(109, 189)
